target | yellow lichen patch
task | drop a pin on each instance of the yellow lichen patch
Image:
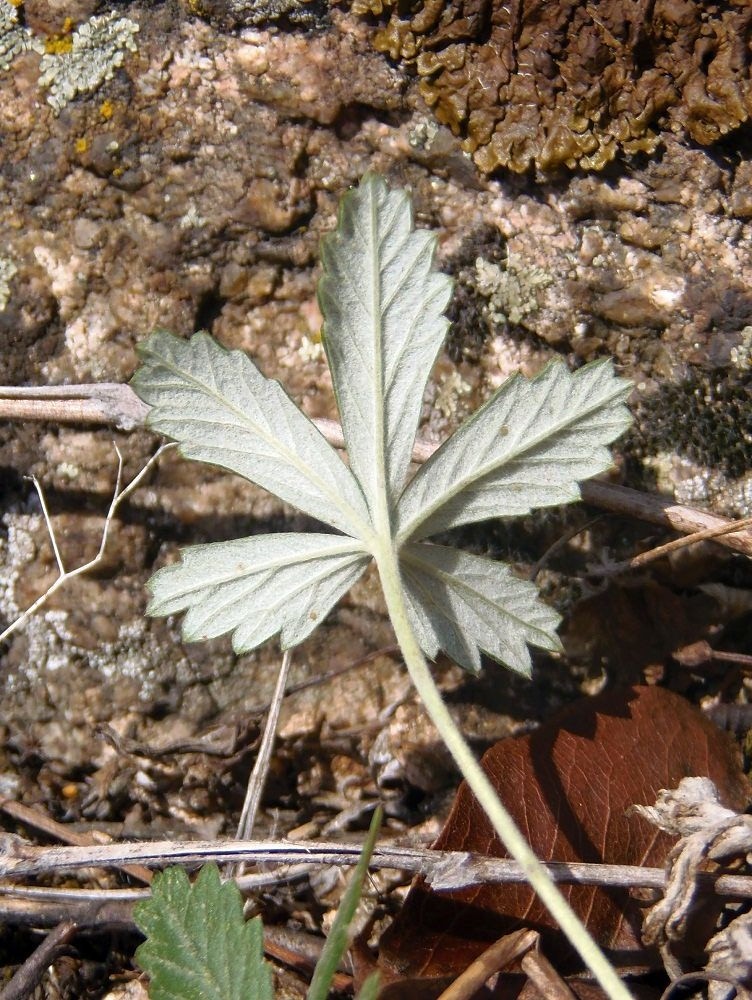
(567, 83)
(62, 42)
(58, 45)
(82, 145)
(107, 109)
(197, 8)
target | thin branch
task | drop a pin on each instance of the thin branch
(496, 957)
(257, 780)
(29, 974)
(638, 561)
(444, 870)
(117, 405)
(541, 973)
(659, 510)
(108, 403)
(39, 819)
(46, 514)
(118, 496)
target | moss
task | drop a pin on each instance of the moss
(706, 417)
(564, 83)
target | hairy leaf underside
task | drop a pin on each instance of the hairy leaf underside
(383, 303)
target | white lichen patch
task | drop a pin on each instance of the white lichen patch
(51, 643)
(451, 389)
(191, 218)
(17, 555)
(700, 486)
(512, 292)
(98, 48)
(14, 38)
(7, 270)
(310, 349)
(741, 355)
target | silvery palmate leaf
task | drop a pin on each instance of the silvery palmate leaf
(383, 311)
(383, 303)
(527, 447)
(256, 587)
(465, 604)
(223, 411)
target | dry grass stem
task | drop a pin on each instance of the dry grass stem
(65, 575)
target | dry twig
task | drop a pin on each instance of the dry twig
(495, 958)
(25, 979)
(118, 405)
(444, 870)
(68, 574)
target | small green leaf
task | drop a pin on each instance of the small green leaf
(466, 604)
(222, 410)
(256, 587)
(198, 945)
(383, 303)
(527, 447)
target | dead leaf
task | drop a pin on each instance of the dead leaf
(600, 631)
(569, 786)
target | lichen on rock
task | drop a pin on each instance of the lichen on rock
(97, 49)
(570, 84)
(14, 37)
(7, 270)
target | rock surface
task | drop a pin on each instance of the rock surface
(190, 190)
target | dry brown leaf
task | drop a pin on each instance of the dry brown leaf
(569, 786)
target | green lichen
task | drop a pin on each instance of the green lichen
(98, 48)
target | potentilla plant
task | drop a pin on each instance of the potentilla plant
(383, 304)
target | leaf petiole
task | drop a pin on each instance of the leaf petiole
(475, 776)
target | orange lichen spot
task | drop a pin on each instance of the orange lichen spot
(70, 791)
(16, 3)
(82, 145)
(107, 109)
(567, 83)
